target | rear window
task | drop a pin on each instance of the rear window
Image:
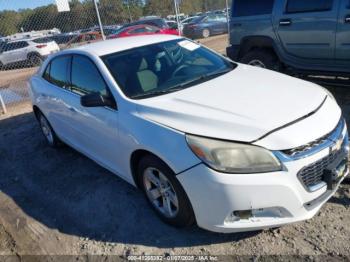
(252, 7)
(302, 6)
(58, 71)
(42, 40)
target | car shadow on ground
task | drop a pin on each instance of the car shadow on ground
(64, 190)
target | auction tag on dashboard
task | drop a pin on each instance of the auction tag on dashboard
(189, 45)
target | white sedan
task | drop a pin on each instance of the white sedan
(227, 146)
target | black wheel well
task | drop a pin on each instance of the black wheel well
(33, 54)
(36, 111)
(135, 158)
(249, 44)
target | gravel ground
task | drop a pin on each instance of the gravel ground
(58, 202)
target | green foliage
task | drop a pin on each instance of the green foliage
(82, 14)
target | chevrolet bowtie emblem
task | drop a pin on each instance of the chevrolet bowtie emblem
(337, 146)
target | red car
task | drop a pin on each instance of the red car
(143, 30)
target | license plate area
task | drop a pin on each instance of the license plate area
(334, 174)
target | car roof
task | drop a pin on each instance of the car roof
(124, 43)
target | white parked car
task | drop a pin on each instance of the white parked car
(33, 51)
(228, 146)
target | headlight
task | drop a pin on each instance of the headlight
(232, 157)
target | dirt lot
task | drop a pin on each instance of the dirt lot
(58, 202)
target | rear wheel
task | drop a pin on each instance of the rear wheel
(35, 60)
(206, 33)
(48, 132)
(262, 58)
(164, 192)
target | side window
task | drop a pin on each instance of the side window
(86, 78)
(46, 74)
(302, 6)
(10, 47)
(58, 71)
(138, 30)
(252, 7)
(22, 44)
(212, 18)
(150, 29)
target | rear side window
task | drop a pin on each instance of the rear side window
(46, 74)
(42, 40)
(303, 6)
(59, 71)
(86, 78)
(252, 7)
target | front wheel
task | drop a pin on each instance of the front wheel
(262, 58)
(206, 33)
(164, 192)
(35, 60)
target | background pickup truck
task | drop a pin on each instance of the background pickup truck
(297, 36)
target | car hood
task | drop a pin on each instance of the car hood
(244, 105)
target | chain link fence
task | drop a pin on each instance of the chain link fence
(31, 30)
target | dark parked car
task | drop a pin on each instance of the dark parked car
(205, 26)
(296, 36)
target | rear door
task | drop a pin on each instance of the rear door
(53, 99)
(343, 34)
(306, 28)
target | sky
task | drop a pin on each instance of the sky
(19, 4)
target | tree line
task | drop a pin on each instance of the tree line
(82, 14)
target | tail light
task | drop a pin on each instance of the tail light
(41, 46)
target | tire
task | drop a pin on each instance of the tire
(35, 60)
(262, 58)
(172, 192)
(206, 33)
(48, 132)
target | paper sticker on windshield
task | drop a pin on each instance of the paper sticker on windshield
(189, 45)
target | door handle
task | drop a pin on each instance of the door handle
(347, 19)
(285, 22)
(72, 109)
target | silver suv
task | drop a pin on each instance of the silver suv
(32, 51)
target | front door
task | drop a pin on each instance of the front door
(343, 35)
(96, 128)
(306, 28)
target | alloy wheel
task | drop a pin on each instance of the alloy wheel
(257, 63)
(160, 192)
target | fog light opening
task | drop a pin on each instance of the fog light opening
(256, 215)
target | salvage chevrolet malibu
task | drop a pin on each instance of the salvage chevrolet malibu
(227, 146)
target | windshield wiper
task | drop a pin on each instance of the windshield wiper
(183, 85)
(199, 79)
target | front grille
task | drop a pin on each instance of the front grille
(305, 148)
(301, 150)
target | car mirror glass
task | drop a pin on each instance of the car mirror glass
(97, 100)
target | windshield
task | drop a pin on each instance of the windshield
(164, 67)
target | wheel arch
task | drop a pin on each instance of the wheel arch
(250, 43)
(135, 159)
(33, 53)
(36, 111)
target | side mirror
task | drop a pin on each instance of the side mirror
(97, 100)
